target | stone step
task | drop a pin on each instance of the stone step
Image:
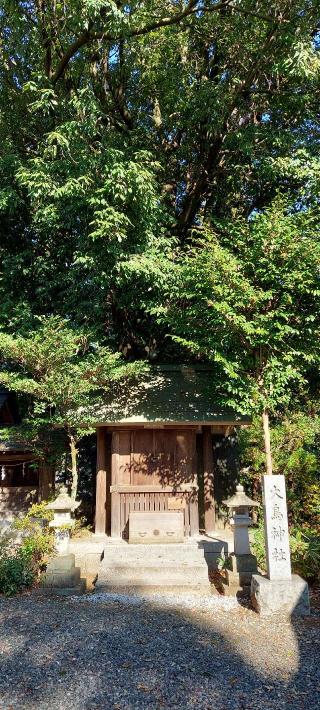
(161, 565)
(153, 575)
(153, 552)
(76, 590)
(139, 583)
(204, 589)
(61, 578)
(158, 547)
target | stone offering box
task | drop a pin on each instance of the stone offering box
(147, 527)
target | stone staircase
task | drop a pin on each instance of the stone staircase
(141, 568)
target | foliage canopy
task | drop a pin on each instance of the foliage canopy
(126, 131)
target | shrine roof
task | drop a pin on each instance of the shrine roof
(11, 446)
(169, 394)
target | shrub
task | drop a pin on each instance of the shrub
(81, 528)
(305, 553)
(258, 546)
(36, 512)
(304, 547)
(22, 562)
(296, 454)
(15, 574)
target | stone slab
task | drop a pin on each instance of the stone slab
(88, 553)
(289, 597)
(203, 590)
(154, 575)
(89, 564)
(61, 563)
(276, 527)
(152, 527)
(63, 591)
(64, 578)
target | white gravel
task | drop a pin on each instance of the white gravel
(190, 601)
(153, 654)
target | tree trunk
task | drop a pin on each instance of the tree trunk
(267, 445)
(46, 479)
(74, 466)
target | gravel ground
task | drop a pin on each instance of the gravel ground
(71, 654)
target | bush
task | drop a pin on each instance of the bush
(22, 562)
(304, 547)
(305, 553)
(36, 512)
(296, 454)
(15, 574)
(81, 528)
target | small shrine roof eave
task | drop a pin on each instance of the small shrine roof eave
(167, 396)
(246, 421)
(14, 447)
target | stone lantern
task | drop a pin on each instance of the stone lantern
(61, 574)
(62, 521)
(243, 564)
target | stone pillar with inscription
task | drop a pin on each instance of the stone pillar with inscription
(280, 590)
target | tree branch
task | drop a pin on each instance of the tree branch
(71, 51)
(90, 36)
(210, 157)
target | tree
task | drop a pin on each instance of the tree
(124, 125)
(296, 454)
(64, 374)
(253, 309)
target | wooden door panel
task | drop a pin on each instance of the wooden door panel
(142, 459)
(184, 456)
(124, 470)
(162, 461)
(164, 445)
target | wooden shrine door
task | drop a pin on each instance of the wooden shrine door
(153, 470)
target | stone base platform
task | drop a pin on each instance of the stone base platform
(88, 553)
(242, 567)
(289, 597)
(62, 574)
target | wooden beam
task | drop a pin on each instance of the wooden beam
(208, 478)
(7, 457)
(101, 483)
(179, 488)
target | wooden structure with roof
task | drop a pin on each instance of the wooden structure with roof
(23, 478)
(146, 449)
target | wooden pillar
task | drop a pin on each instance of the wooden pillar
(115, 496)
(208, 480)
(101, 483)
(194, 503)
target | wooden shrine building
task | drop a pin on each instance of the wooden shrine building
(148, 452)
(23, 478)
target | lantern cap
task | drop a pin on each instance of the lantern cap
(240, 499)
(63, 501)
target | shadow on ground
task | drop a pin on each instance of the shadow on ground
(62, 654)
